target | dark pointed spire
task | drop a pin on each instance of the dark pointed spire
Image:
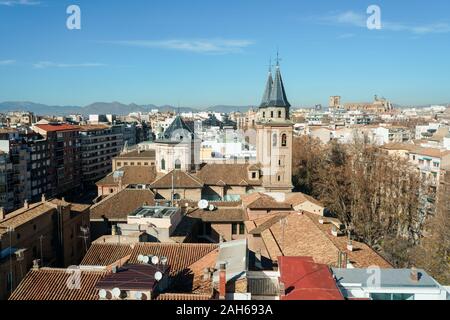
(278, 95)
(266, 97)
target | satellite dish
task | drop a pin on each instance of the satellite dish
(203, 204)
(102, 294)
(145, 259)
(155, 260)
(158, 275)
(164, 260)
(138, 295)
(116, 292)
(140, 258)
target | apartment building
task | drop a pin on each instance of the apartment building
(64, 173)
(99, 145)
(6, 191)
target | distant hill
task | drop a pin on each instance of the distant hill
(106, 108)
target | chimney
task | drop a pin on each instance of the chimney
(222, 281)
(206, 274)
(2, 213)
(414, 275)
(25, 204)
(36, 264)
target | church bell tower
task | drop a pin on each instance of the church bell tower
(274, 135)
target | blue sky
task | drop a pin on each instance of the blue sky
(199, 53)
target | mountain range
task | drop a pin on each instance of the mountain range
(116, 108)
(106, 108)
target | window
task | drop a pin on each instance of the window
(391, 296)
(274, 140)
(253, 175)
(279, 114)
(264, 114)
(176, 196)
(271, 114)
(163, 164)
(132, 163)
(234, 228)
(177, 164)
(436, 164)
(241, 228)
(284, 140)
(279, 178)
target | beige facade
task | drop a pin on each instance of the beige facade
(274, 153)
(48, 231)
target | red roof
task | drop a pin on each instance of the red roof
(57, 127)
(304, 279)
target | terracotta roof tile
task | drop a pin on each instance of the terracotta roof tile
(119, 205)
(57, 127)
(181, 179)
(106, 254)
(298, 198)
(263, 201)
(305, 236)
(227, 174)
(131, 176)
(51, 284)
(221, 214)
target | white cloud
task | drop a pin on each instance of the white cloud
(351, 18)
(49, 64)
(208, 46)
(12, 3)
(7, 62)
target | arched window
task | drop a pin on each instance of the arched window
(284, 140)
(163, 164)
(177, 164)
(274, 140)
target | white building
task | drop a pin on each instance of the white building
(388, 284)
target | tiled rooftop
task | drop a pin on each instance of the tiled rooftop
(51, 284)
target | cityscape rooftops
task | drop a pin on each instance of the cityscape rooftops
(119, 205)
(57, 127)
(51, 284)
(303, 279)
